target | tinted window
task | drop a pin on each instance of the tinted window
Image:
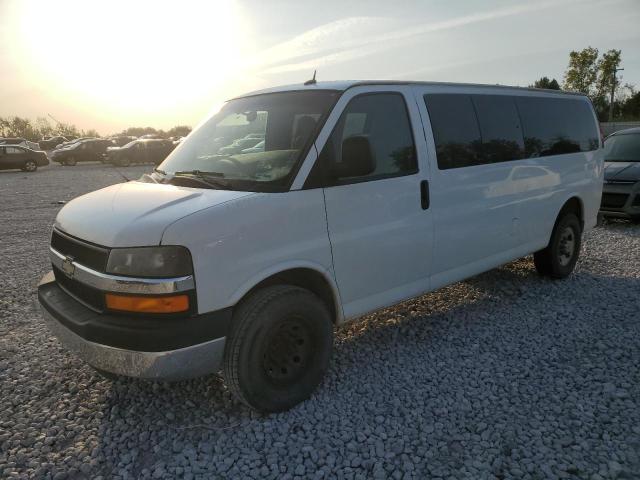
(455, 130)
(554, 126)
(499, 128)
(622, 148)
(383, 119)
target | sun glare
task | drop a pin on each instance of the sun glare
(123, 56)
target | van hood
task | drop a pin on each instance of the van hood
(622, 171)
(135, 213)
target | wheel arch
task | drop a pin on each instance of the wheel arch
(575, 205)
(312, 278)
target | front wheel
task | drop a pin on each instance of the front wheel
(71, 161)
(124, 162)
(559, 258)
(278, 349)
(30, 166)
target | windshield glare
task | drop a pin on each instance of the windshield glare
(255, 142)
(622, 148)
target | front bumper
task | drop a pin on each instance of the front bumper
(135, 347)
(621, 200)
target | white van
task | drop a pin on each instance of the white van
(364, 194)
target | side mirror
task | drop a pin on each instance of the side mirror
(357, 158)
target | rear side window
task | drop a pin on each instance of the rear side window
(554, 126)
(384, 120)
(455, 130)
(499, 128)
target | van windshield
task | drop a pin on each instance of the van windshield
(254, 143)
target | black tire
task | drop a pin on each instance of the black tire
(559, 258)
(124, 162)
(30, 166)
(71, 161)
(270, 322)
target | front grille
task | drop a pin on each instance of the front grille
(84, 253)
(88, 295)
(614, 200)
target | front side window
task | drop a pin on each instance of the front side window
(254, 143)
(622, 148)
(380, 120)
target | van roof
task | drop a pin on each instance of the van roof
(342, 85)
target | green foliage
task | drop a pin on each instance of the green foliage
(40, 128)
(582, 72)
(593, 75)
(179, 131)
(544, 82)
(630, 108)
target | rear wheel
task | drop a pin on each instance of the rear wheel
(124, 161)
(71, 161)
(278, 349)
(30, 166)
(559, 258)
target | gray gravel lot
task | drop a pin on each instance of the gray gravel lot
(506, 375)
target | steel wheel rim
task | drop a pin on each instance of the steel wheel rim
(287, 351)
(30, 166)
(567, 246)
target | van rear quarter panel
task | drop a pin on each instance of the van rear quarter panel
(236, 245)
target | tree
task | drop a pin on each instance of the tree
(630, 108)
(593, 76)
(582, 72)
(544, 82)
(179, 131)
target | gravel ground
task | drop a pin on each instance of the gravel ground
(506, 375)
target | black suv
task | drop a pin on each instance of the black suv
(92, 150)
(13, 156)
(140, 151)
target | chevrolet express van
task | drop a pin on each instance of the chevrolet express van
(364, 195)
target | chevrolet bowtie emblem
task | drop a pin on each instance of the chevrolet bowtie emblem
(67, 266)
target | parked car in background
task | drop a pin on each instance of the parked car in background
(140, 151)
(121, 140)
(14, 156)
(51, 142)
(367, 194)
(152, 136)
(12, 140)
(238, 145)
(91, 150)
(621, 191)
(20, 141)
(258, 148)
(75, 140)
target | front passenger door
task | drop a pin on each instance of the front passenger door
(379, 222)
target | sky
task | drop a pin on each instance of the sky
(109, 65)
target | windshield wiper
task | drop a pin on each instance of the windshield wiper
(161, 172)
(204, 177)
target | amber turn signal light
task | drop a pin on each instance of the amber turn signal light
(166, 304)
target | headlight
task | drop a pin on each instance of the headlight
(160, 262)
